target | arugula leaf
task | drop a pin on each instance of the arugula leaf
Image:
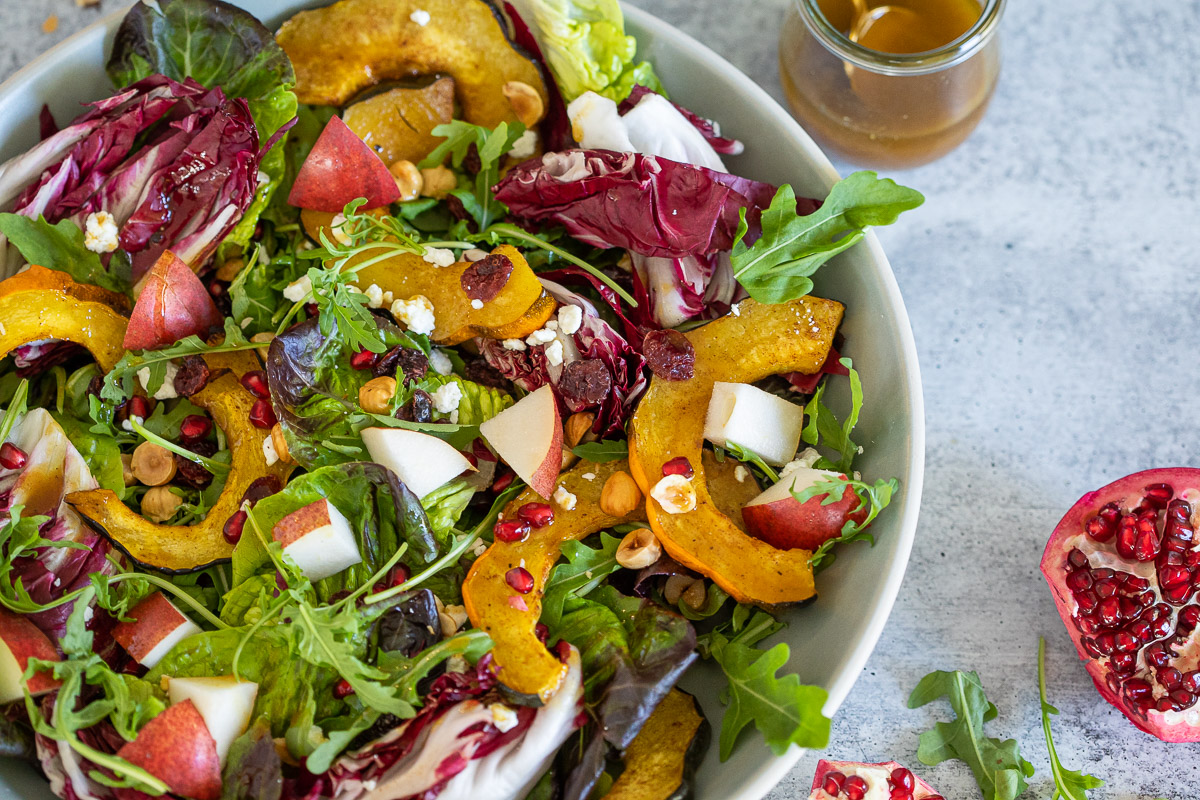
(491, 145)
(874, 497)
(750, 457)
(1069, 784)
(584, 570)
(776, 268)
(998, 766)
(600, 452)
(60, 247)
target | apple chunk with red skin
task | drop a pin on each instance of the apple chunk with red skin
(319, 539)
(225, 704)
(528, 437)
(340, 168)
(779, 519)
(173, 304)
(21, 640)
(177, 748)
(156, 628)
(421, 462)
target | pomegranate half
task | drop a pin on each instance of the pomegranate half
(850, 780)
(1125, 570)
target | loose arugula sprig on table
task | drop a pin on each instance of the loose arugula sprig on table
(1069, 784)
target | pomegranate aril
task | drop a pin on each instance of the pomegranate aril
(195, 426)
(363, 359)
(1170, 678)
(137, 406)
(1171, 575)
(1179, 511)
(1160, 627)
(1166, 704)
(1113, 682)
(1156, 656)
(1100, 529)
(12, 457)
(901, 778)
(1124, 663)
(1125, 642)
(1129, 608)
(1191, 681)
(1077, 559)
(1141, 630)
(1157, 495)
(1189, 617)
(1192, 559)
(1105, 644)
(234, 527)
(1090, 646)
(1183, 698)
(1126, 535)
(537, 515)
(255, 382)
(1137, 687)
(1104, 588)
(542, 632)
(1087, 601)
(900, 794)
(1177, 594)
(342, 689)
(1132, 583)
(678, 466)
(503, 482)
(400, 575)
(1100, 573)
(1108, 613)
(510, 530)
(262, 415)
(855, 788)
(519, 579)
(1079, 581)
(1147, 545)
(833, 783)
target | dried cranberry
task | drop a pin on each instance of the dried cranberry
(402, 362)
(471, 161)
(256, 383)
(260, 488)
(538, 515)
(363, 359)
(12, 457)
(478, 370)
(459, 212)
(585, 382)
(262, 415)
(343, 689)
(195, 426)
(484, 279)
(418, 409)
(234, 527)
(519, 579)
(191, 473)
(96, 384)
(679, 465)
(511, 530)
(670, 355)
(193, 375)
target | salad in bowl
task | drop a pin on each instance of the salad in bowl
(397, 404)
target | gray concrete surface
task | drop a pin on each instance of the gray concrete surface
(1052, 282)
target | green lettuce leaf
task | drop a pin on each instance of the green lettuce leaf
(445, 505)
(60, 247)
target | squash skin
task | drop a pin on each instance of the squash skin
(522, 662)
(761, 340)
(187, 548)
(42, 303)
(342, 49)
(661, 762)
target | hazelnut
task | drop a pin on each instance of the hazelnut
(152, 465)
(160, 503)
(688, 588)
(526, 103)
(569, 460)
(127, 469)
(639, 549)
(230, 269)
(376, 395)
(437, 182)
(675, 494)
(279, 441)
(620, 495)
(577, 427)
(451, 618)
(408, 179)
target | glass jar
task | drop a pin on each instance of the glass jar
(890, 110)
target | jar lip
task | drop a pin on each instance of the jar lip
(923, 63)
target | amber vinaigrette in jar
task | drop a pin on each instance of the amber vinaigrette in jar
(890, 83)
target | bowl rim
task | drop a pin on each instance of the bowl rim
(759, 782)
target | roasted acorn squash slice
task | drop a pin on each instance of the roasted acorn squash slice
(42, 303)
(340, 50)
(185, 548)
(661, 762)
(759, 341)
(522, 662)
(398, 124)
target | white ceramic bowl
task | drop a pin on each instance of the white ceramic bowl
(831, 639)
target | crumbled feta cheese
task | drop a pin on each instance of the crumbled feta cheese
(440, 362)
(101, 234)
(338, 226)
(525, 145)
(420, 16)
(503, 717)
(475, 254)
(477, 304)
(554, 353)
(439, 256)
(513, 344)
(588, 476)
(551, 325)
(805, 460)
(167, 390)
(299, 290)
(416, 313)
(446, 398)
(388, 299)
(569, 318)
(374, 296)
(541, 336)
(479, 548)
(457, 663)
(269, 451)
(675, 494)
(126, 425)
(88, 613)
(736, 309)
(564, 498)
(740, 473)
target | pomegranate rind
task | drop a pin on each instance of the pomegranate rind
(868, 772)
(1126, 492)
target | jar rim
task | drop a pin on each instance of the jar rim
(923, 63)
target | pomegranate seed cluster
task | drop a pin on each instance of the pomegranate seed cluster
(901, 786)
(1134, 625)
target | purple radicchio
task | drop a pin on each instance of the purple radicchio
(592, 368)
(193, 173)
(53, 469)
